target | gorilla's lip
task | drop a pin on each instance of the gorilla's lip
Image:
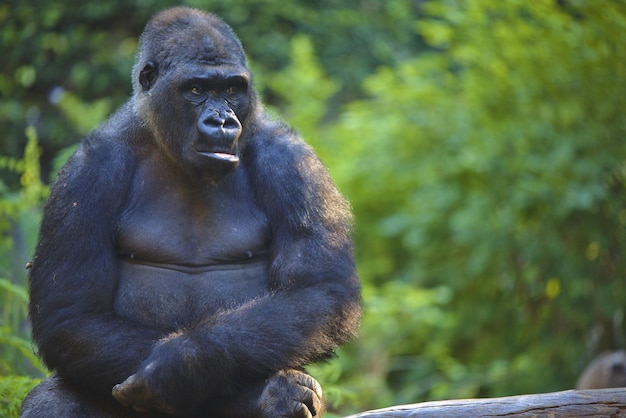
(221, 156)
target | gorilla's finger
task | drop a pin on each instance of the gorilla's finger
(301, 411)
(126, 391)
(312, 401)
(309, 382)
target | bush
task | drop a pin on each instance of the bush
(492, 169)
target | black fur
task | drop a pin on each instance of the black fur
(193, 254)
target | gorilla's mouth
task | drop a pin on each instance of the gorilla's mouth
(221, 156)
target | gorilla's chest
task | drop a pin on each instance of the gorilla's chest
(193, 228)
(185, 254)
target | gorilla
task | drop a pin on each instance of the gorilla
(194, 255)
(607, 370)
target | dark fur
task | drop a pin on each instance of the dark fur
(243, 358)
(607, 370)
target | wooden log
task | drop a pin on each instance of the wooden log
(569, 403)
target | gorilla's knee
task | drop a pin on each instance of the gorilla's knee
(56, 398)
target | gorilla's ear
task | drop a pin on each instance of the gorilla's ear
(148, 75)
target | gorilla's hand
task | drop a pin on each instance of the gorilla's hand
(291, 394)
(136, 393)
(152, 388)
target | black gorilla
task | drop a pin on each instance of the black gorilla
(193, 254)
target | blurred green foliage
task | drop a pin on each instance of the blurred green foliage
(81, 52)
(480, 143)
(12, 390)
(491, 168)
(19, 217)
(20, 210)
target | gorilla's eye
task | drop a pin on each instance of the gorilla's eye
(197, 90)
(232, 90)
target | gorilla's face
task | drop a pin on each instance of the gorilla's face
(197, 103)
(215, 103)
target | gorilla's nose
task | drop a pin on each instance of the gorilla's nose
(220, 126)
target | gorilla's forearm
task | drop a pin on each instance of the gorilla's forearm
(287, 329)
(80, 355)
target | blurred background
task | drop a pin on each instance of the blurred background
(482, 145)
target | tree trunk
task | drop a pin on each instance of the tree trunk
(569, 403)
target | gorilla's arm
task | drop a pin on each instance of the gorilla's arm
(315, 302)
(73, 279)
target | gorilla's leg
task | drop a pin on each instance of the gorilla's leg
(56, 398)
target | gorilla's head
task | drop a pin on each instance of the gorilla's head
(193, 90)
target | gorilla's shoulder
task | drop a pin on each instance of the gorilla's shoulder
(123, 129)
(276, 143)
(115, 142)
(108, 153)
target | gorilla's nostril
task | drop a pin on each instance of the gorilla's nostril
(231, 123)
(226, 121)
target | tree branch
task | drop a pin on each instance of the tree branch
(570, 403)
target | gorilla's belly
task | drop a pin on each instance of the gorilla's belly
(173, 297)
